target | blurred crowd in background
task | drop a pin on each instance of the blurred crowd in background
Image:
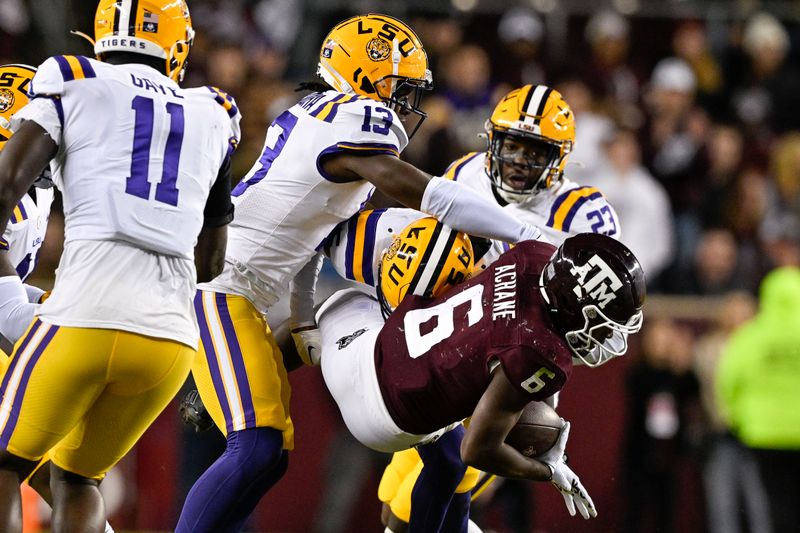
(687, 119)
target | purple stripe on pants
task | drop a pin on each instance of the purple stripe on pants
(211, 358)
(8, 430)
(237, 360)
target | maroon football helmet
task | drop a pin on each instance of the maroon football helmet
(595, 288)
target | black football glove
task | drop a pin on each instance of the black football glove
(194, 413)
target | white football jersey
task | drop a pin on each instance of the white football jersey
(356, 246)
(560, 211)
(286, 204)
(137, 156)
(26, 230)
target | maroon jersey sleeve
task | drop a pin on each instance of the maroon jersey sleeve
(535, 371)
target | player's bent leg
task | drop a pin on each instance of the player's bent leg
(39, 479)
(226, 494)
(13, 470)
(398, 482)
(239, 368)
(441, 474)
(391, 488)
(77, 503)
(241, 379)
(457, 517)
(142, 376)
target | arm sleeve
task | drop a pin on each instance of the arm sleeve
(304, 284)
(364, 126)
(465, 210)
(532, 374)
(45, 107)
(219, 209)
(16, 313)
(45, 112)
(34, 293)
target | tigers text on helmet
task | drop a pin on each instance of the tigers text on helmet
(14, 83)
(425, 259)
(159, 28)
(379, 57)
(594, 285)
(534, 118)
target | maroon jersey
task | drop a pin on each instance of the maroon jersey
(433, 357)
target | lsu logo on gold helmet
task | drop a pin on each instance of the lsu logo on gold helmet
(159, 28)
(379, 57)
(425, 259)
(14, 83)
(533, 118)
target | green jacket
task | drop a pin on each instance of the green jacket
(758, 379)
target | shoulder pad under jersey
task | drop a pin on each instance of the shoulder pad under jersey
(455, 167)
(364, 124)
(56, 71)
(228, 104)
(572, 211)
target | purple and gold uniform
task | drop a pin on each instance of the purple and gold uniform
(400, 384)
(116, 340)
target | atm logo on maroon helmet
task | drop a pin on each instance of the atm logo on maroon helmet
(596, 279)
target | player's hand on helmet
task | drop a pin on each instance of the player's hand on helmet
(308, 344)
(565, 480)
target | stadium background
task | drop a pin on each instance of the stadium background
(710, 138)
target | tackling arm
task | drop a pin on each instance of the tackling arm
(453, 204)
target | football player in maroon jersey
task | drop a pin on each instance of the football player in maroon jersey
(484, 350)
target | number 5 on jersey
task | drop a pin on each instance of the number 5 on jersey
(138, 184)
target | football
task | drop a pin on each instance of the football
(536, 431)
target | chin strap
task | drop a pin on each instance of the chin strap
(81, 34)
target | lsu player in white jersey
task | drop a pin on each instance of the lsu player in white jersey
(25, 233)
(143, 166)
(530, 135)
(321, 161)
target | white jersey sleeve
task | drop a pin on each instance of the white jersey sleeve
(26, 230)
(45, 108)
(584, 210)
(356, 246)
(365, 125)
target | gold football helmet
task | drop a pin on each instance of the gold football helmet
(14, 83)
(531, 133)
(159, 28)
(379, 57)
(425, 259)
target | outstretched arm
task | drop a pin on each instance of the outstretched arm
(453, 204)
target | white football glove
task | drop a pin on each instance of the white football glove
(308, 344)
(565, 480)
